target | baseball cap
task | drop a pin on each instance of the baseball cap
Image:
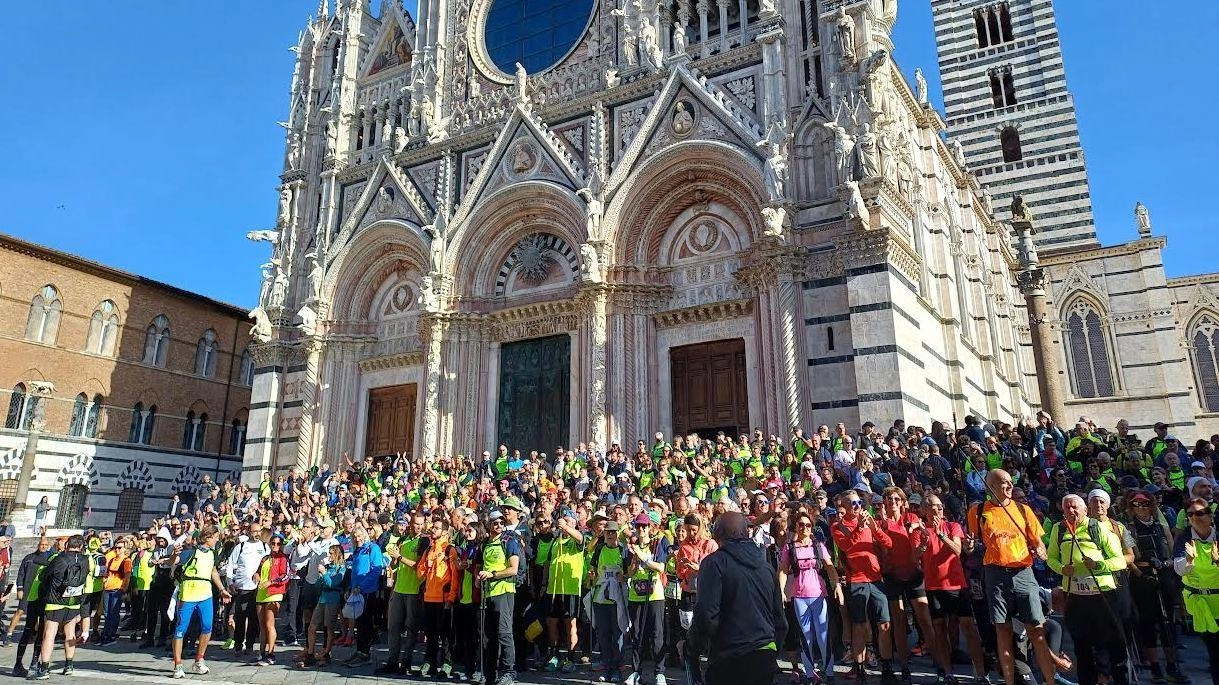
(1140, 495)
(1197, 465)
(495, 516)
(611, 525)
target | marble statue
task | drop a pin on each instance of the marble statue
(332, 135)
(630, 31)
(279, 286)
(920, 86)
(268, 277)
(264, 236)
(683, 121)
(869, 164)
(988, 202)
(590, 264)
(679, 40)
(649, 39)
(857, 209)
(317, 274)
(429, 298)
(294, 150)
(260, 332)
(775, 167)
(522, 86)
(400, 139)
(611, 78)
(888, 156)
(594, 205)
(437, 245)
(775, 219)
(307, 318)
(1142, 218)
(958, 152)
(1021, 214)
(285, 207)
(766, 8)
(844, 36)
(844, 148)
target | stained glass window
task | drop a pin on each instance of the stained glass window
(536, 33)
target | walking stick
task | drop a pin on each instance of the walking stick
(482, 628)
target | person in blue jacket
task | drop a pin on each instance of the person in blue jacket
(367, 569)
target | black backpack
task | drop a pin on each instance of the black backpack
(75, 575)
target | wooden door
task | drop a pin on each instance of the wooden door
(391, 420)
(534, 394)
(710, 393)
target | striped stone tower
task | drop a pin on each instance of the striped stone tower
(1007, 103)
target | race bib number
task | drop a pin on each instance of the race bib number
(1083, 586)
(672, 590)
(74, 591)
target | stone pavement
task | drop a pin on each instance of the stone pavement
(122, 662)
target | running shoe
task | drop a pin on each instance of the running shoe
(179, 672)
(200, 668)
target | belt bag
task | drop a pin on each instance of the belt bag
(643, 586)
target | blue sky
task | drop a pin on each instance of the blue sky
(142, 134)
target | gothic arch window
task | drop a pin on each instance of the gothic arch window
(1009, 140)
(193, 431)
(1088, 351)
(103, 329)
(142, 421)
(829, 338)
(42, 326)
(247, 368)
(205, 354)
(237, 435)
(79, 409)
(93, 414)
(156, 342)
(1204, 340)
(71, 512)
(20, 411)
(130, 509)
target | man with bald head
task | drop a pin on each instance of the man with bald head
(738, 618)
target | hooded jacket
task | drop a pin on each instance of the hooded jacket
(740, 607)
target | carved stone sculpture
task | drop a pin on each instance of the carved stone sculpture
(920, 86)
(988, 202)
(261, 331)
(869, 164)
(844, 148)
(594, 204)
(400, 139)
(279, 287)
(683, 121)
(294, 150)
(307, 319)
(1143, 219)
(775, 219)
(611, 78)
(268, 278)
(317, 274)
(285, 207)
(522, 87)
(888, 157)
(844, 36)
(856, 208)
(958, 152)
(590, 264)
(436, 252)
(332, 135)
(1021, 214)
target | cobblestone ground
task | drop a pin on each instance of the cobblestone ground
(122, 662)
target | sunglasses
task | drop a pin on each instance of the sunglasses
(1199, 513)
(856, 504)
(1141, 504)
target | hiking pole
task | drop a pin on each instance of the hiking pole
(482, 628)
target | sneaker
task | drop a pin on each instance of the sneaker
(200, 668)
(632, 679)
(566, 666)
(106, 642)
(228, 644)
(478, 678)
(445, 670)
(179, 672)
(19, 671)
(68, 669)
(270, 659)
(359, 659)
(906, 677)
(424, 669)
(553, 664)
(660, 679)
(506, 679)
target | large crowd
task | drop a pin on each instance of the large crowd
(975, 547)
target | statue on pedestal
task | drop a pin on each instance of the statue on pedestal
(844, 148)
(775, 169)
(775, 218)
(285, 207)
(920, 86)
(594, 206)
(844, 36)
(869, 163)
(1143, 219)
(317, 274)
(590, 264)
(261, 331)
(856, 208)
(1022, 216)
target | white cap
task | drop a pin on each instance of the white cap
(1098, 493)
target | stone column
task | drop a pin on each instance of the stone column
(40, 393)
(433, 327)
(262, 432)
(1032, 280)
(598, 330)
(306, 449)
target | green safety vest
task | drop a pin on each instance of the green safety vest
(32, 594)
(143, 571)
(1203, 608)
(565, 566)
(610, 559)
(495, 559)
(406, 578)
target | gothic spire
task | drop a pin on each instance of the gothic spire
(323, 10)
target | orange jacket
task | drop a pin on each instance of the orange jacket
(438, 571)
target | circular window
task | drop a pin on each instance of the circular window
(535, 33)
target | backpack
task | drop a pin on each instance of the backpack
(75, 575)
(522, 568)
(98, 568)
(1093, 532)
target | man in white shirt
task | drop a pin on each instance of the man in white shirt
(239, 574)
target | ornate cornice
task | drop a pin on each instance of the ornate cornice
(704, 313)
(393, 361)
(1074, 256)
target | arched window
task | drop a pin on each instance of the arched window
(247, 368)
(20, 408)
(156, 342)
(1205, 341)
(79, 409)
(45, 310)
(130, 509)
(103, 328)
(92, 416)
(71, 512)
(1009, 88)
(237, 437)
(1005, 23)
(1088, 351)
(141, 423)
(205, 354)
(1009, 139)
(193, 431)
(829, 338)
(980, 28)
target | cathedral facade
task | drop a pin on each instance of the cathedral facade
(543, 223)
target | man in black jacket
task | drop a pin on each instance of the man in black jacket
(30, 605)
(65, 578)
(737, 582)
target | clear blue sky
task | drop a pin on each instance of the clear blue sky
(142, 134)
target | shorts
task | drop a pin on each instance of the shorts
(563, 606)
(187, 611)
(867, 601)
(944, 603)
(62, 615)
(309, 594)
(325, 616)
(1013, 593)
(909, 590)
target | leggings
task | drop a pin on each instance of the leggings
(813, 618)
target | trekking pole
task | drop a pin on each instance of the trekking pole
(482, 629)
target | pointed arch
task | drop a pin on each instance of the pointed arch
(1203, 336)
(360, 268)
(42, 325)
(1088, 347)
(103, 329)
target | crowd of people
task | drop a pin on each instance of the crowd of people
(720, 556)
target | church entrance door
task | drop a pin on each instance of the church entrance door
(534, 393)
(709, 388)
(391, 420)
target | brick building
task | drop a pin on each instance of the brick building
(120, 391)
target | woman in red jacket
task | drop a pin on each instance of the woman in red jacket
(272, 578)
